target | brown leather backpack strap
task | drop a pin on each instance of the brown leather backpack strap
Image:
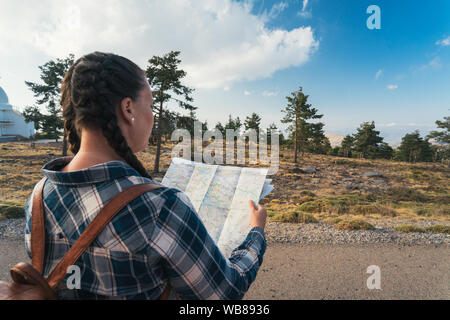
(166, 293)
(37, 243)
(95, 227)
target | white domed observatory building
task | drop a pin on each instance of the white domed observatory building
(12, 123)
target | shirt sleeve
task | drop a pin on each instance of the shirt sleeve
(27, 232)
(194, 264)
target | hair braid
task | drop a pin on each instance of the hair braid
(69, 115)
(93, 88)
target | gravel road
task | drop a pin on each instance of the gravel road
(324, 271)
(315, 261)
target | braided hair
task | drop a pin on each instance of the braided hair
(91, 90)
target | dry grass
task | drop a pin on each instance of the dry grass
(355, 224)
(409, 228)
(414, 191)
(295, 217)
(332, 220)
(438, 228)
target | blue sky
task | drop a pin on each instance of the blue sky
(341, 76)
(246, 56)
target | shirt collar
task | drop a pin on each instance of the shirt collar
(98, 173)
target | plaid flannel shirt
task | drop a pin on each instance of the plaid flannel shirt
(155, 239)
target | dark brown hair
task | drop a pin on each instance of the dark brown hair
(91, 90)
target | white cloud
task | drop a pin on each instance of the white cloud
(303, 13)
(221, 41)
(226, 88)
(247, 93)
(434, 64)
(269, 93)
(444, 42)
(305, 3)
(378, 74)
(277, 9)
(390, 124)
(392, 86)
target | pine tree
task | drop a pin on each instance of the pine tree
(346, 146)
(187, 122)
(168, 125)
(413, 148)
(385, 151)
(441, 152)
(253, 122)
(164, 78)
(221, 128)
(298, 112)
(234, 124)
(52, 74)
(32, 113)
(271, 127)
(366, 140)
(441, 136)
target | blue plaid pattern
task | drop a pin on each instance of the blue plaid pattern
(157, 238)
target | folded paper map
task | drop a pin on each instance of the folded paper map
(220, 195)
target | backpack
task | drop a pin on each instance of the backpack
(28, 280)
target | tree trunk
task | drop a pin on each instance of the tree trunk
(64, 150)
(158, 152)
(295, 139)
(158, 136)
(295, 147)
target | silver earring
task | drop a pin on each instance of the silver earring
(132, 118)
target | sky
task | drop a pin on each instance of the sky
(247, 56)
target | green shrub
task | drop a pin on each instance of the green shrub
(339, 205)
(409, 228)
(443, 211)
(306, 218)
(332, 220)
(311, 206)
(438, 228)
(355, 224)
(422, 212)
(306, 199)
(270, 213)
(372, 208)
(405, 194)
(295, 217)
(307, 193)
(11, 212)
(435, 210)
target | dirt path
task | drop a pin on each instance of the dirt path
(313, 271)
(339, 272)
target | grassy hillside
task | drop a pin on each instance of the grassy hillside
(340, 189)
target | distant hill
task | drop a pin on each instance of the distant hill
(335, 139)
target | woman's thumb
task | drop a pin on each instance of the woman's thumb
(252, 204)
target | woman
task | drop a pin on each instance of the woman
(158, 239)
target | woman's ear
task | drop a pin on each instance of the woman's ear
(126, 110)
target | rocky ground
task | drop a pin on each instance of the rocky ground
(303, 233)
(315, 177)
(321, 233)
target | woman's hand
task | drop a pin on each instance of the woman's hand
(258, 215)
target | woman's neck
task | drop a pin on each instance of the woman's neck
(94, 149)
